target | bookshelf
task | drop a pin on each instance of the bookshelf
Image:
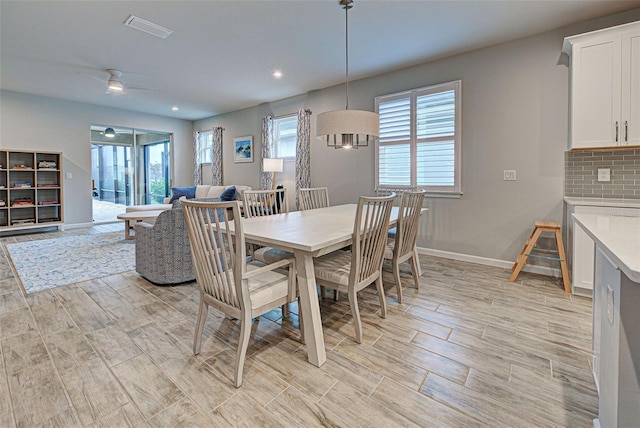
(30, 189)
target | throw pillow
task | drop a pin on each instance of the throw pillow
(229, 194)
(178, 192)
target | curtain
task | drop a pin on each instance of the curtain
(303, 151)
(196, 158)
(267, 149)
(216, 156)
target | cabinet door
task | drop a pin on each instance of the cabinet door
(630, 118)
(596, 75)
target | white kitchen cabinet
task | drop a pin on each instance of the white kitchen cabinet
(605, 87)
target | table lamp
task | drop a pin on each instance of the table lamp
(272, 165)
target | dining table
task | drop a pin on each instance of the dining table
(308, 234)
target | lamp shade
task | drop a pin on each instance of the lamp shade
(109, 132)
(272, 165)
(348, 128)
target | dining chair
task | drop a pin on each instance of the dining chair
(403, 247)
(352, 271)
(313, 197)
(258, 203)
(226, 281)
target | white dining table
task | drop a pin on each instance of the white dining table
(308, 234)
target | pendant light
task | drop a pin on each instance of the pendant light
(346, 129)
(109, 132)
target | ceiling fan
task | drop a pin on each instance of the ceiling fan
(115, 82)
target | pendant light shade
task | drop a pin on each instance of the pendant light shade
(346, 129)
(109, 132)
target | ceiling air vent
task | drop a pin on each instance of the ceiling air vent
(148, 27)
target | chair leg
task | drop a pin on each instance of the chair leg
(383, 301)
(301, 323)
(243, 344)
(415, 270)
(323, 291)
(355, 312)
(285, 310)
(417, 259)
(202, 317)
(396, 273)
(336, 294)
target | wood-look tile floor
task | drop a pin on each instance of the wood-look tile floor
(468, 348)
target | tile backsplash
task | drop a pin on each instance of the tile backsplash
(581, 173)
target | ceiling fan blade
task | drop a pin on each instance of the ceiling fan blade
(93, 77)
(140, 88)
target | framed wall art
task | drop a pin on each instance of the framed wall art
(243, 149)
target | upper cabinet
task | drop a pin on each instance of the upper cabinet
(605, 87)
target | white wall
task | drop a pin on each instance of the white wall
(514, 116)
(39, 123)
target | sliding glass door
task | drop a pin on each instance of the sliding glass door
(128, 167)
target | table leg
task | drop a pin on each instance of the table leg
(128, 224)
(310, 309)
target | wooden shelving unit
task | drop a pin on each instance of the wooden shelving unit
(30, 189)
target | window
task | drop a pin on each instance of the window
(204, 145)
(285, 130)
(420, 139)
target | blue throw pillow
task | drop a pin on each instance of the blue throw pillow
(229, 194)
(178, 192)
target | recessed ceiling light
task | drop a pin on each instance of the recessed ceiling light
(277, 74)
(174, 108)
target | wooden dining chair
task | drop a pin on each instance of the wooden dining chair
(226, 281)
(352, 271)
(402, 247)
(313, 197)
(258, 203)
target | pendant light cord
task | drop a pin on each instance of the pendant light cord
(346, 50)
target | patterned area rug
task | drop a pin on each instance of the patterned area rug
(54, 262)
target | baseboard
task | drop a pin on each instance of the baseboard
(77, 225)
(505, 264)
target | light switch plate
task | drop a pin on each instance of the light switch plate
(509, 175)
(604, 174)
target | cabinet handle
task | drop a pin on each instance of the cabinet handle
(626, 131)
(616, 131)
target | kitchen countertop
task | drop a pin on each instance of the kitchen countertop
(603, 202)
(618, 237)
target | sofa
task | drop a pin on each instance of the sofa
(201, 191)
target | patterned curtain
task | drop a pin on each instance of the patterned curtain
(196, 158)
(216, 156)
(303, 151)
(267, 149)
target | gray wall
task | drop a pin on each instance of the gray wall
(38, 123)
(514, 116)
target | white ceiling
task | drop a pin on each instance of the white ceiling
(221, 54)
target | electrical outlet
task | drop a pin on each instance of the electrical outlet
(604, 174)
(69, 175)
(509, 175)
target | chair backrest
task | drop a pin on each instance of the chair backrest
(370, 237)
(408, 222)
(218, 256)
(258, 203)
(311, 198)
(387, 190)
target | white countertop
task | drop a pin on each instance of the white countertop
(603, 202)
(618, 237)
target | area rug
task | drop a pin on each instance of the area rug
(55, 262)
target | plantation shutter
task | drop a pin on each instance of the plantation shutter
(419, 144)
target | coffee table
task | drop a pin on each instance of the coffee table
(135, 216)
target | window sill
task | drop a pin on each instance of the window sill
(445, 195)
